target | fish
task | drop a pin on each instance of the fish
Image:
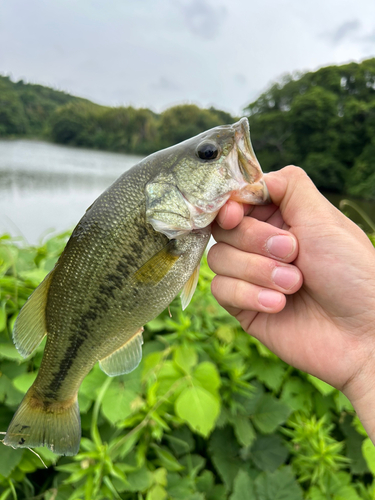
(136, 247)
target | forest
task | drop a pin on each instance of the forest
(323, 121)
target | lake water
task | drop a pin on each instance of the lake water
(46, 188)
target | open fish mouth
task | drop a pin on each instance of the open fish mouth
(246, 170)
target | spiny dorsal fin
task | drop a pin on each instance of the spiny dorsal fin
(189, 288)
(30, 326)
(158, 266)
(126, 359)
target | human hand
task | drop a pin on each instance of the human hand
(300, 276)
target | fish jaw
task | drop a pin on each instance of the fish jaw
(245, 168)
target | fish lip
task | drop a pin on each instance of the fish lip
(255, 190)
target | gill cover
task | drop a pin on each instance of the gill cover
(208, 169)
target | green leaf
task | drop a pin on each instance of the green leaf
(279, 485)
(268, 452)
(199, 408)
(205, 481)
(117, 403)
(193, 464)
(92, 383)
(10, 458)
(297, 394)
(353, 444)
(207, 375)
(140, 480)
(368, 451)
(8, 351)
(181, 441)
(269, 414)
(322, 387)
(269, 371)
(185, 357)
(3, 316)
(157, 492)
(166, 459)
(225, 455)
(23, 382)
(243, 430)
(243, 487)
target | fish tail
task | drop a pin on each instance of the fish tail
(55, 425)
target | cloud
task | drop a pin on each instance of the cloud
(202, 18)
(344, 31)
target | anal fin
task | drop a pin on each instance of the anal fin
(189, 288)
(126, 358)
(30, 326)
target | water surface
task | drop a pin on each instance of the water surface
(46, 188)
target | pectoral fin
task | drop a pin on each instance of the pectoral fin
(30, 327)
(126, 359)
(158, 266)
(189, 288)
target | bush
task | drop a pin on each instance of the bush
(209, 414)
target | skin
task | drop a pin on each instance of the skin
(300, 277)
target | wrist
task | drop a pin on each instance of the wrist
(361, 393)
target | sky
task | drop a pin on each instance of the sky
(158, 53)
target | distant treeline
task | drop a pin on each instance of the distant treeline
(323, 121)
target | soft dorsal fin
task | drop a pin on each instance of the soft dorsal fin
(189, 288)
(126, 359)
(30, 326)
(158, 266)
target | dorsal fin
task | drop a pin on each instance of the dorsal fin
(30, 326)
(189, 288)
(126, 359)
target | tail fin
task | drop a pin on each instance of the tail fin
(55, 425)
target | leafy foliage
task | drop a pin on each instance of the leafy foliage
(323, 121)
(198, 419)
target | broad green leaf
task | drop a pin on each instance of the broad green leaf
(23, 382)
(181, 441)
(185, 357)
(8, 351)
(92, 383)
(297, 394)
(225, 455)
(279, 485)
(207, 375)
(322, 387)
(269, 371)
(9, 459)
(140, 480)
(243, 487)
(268, 452)
(199, 408)
(243, 430)
(368, 451)
(342, 402)
(269, 414)
(357, 424)
(116, 404)
(353, 443)
(193, 464)
(205, 481)
(226, 333)
(157, 492)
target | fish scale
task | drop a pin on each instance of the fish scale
(135, 248)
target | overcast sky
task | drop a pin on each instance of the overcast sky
(157, 53)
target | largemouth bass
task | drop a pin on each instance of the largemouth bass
(134, 250)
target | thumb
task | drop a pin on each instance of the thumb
(299, 200)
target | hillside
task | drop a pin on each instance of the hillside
(323, 121)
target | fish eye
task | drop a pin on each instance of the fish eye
(208, 151)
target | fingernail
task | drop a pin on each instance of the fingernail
(281, 246)
(269, 298)
(286, 277)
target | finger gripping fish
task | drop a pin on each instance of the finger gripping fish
(134, 250)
